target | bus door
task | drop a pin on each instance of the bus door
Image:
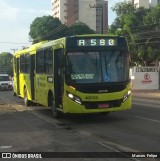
(17, 76)
(32, 75)
(58, 76)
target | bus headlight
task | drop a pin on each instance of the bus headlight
(126, 95)
(74, 98)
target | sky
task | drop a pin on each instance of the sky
(16, 17)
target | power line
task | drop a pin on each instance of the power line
(14, 50)
(61, 27)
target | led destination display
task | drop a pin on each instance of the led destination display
(97, 42)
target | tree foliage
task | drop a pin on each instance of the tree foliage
(141, 27)
(6, 63)
(79, 28)
(46, 28)
(49, 28)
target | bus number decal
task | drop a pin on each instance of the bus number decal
(111, 42)
(81, 43)
(97, 42)
(91, 97)
(102, 42)
(93, 42)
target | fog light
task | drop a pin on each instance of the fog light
(126, 95)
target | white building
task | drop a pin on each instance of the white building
(142, 3)
(93, 13)
(153, 3)
(145, 3)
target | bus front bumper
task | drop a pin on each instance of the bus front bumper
(71, 106)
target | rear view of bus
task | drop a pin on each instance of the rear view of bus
(96, 75)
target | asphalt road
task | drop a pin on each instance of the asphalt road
(33, 129)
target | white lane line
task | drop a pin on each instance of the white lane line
(155, 102)
(146, 104)
(148, 119)
(5, 147)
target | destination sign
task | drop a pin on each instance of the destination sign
(97, 42)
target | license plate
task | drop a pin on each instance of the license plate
(104, 105)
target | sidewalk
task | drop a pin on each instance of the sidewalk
(146, 94)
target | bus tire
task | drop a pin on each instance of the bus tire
(26, 101)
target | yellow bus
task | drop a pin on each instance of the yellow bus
(76, 74)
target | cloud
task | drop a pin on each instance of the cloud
(7, 12)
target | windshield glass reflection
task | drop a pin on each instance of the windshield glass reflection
(97, 67)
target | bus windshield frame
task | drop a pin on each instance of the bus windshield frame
(97, 67)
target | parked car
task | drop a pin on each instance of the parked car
(5, 82)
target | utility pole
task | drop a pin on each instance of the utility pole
(14, 50)
(99, 4)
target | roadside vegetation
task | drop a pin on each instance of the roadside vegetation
(6, 63)
(140, 26)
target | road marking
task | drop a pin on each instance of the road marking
(110, 145)
(146, 104)
(155, 102)
(148, 119)
(5, 147)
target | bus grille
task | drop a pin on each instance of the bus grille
(95, 105)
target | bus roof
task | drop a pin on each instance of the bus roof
(46, 43)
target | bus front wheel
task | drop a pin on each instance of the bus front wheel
(26, 101)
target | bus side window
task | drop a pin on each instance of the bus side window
(27, 61)
(40, 61)
(22, 63)
(48, 53)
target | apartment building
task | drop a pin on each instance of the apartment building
(153, 3)
(93, 13)
(145, 3)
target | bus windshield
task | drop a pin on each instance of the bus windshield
(97, 67)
